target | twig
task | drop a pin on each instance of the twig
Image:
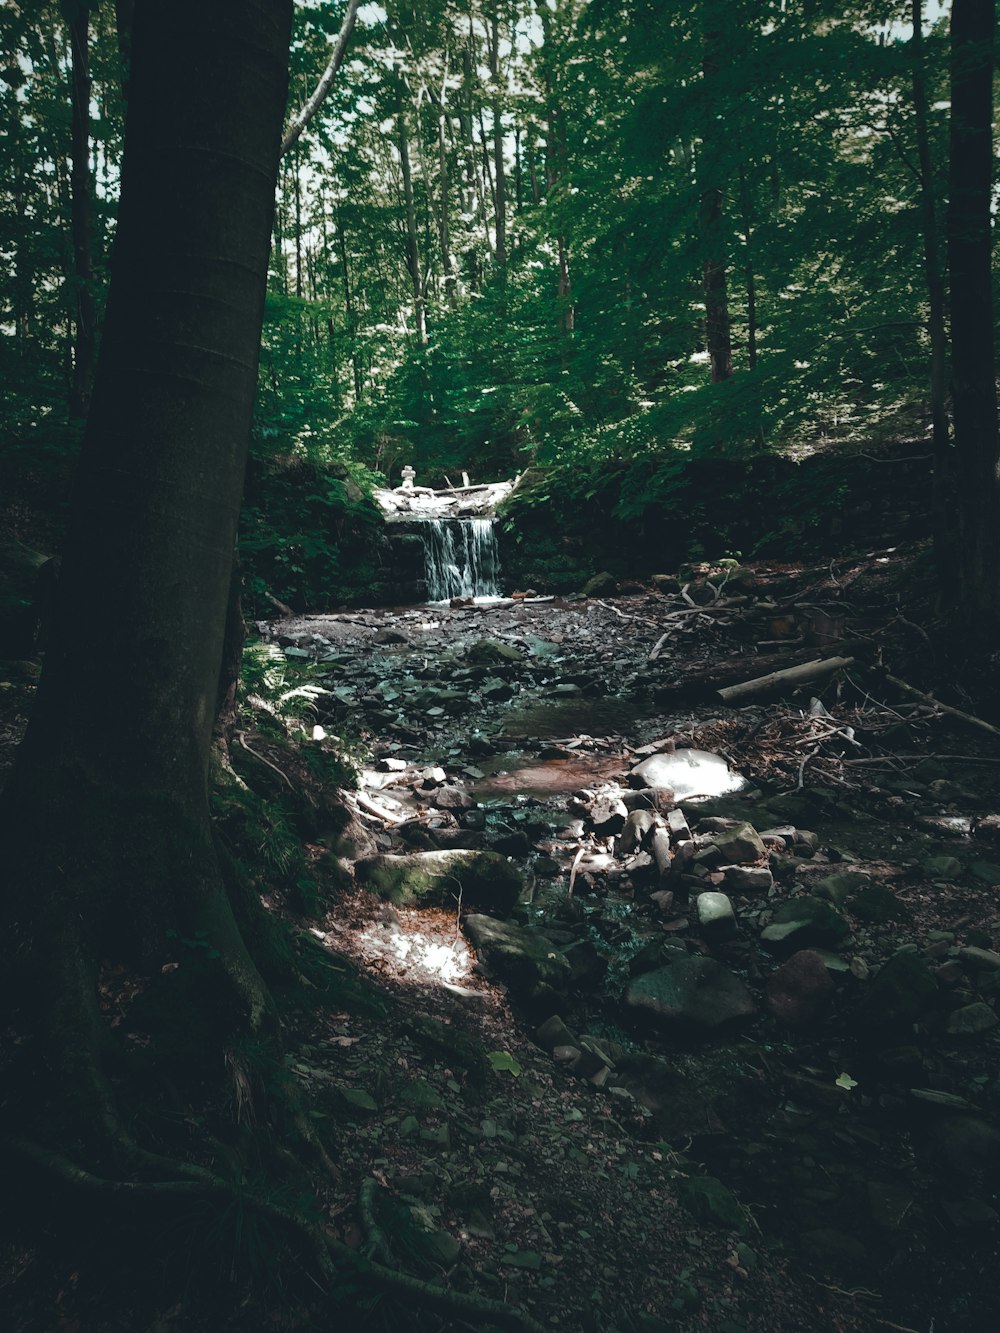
(622, 615)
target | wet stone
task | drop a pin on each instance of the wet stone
(692, 993)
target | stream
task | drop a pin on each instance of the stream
(806, 1007)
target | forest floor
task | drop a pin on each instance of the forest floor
(818, 1150)
(701, 1075)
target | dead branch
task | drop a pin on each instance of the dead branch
(944, 708)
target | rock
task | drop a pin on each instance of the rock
(638, 824)
(492, 653)
(514, 844)
(971, 1019)
(608, 816)
(692, 993)
(716, 918)
(879, 904)
(838, 888)
(602, 584)
(390, 636)
(970, 1145)
(902, 990)
(941, 867)
(666, 583)
(980, 960)
(687, 773)
(484, 879)
(740, 845)
(747, 879)
(452, 798)
(800, 989)
(518, 955)
(968, 1213)
(554, 1032)
(648, 798)
(677, 826)
(709, 1201)
(802, 922)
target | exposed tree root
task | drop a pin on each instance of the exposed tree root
(332, 1258)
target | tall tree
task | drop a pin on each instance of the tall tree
(106, 813)
(973, 387)
(81, 196)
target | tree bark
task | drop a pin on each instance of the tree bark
(499, 170)
(711, 187)
(106, 813)
(81, 214)
(974, 402)
(934, 278)
(412, 242)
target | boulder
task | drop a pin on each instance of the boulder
(802, 922)
(716, 918)
(710, 1202)
(517, 955)
(903, 989)
(971, 1019)
(747, 879)
(434, 879)
(638, 826)
(691, 993)
(740, 845)
(600, 585)
(608, 816)
(839, 887)
(687, 773)
(799, 990)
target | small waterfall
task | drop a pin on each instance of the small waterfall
(461, 558)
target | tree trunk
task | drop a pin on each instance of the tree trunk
(751, 279)
(81, 194)
(974, 401)
(106, 813)
(412, 243)
(934, 278)
(349, 308)
(711, 187)
(499, 171)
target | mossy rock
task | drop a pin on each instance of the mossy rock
(439, 879)
(903, 989)
(709, 1201)
(523, 958)
(802, 923)
(492, 653)
(879, 904)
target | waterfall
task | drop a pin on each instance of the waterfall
(461, 558)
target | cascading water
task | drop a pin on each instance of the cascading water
(461, 557)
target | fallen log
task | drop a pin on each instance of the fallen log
(779, 682)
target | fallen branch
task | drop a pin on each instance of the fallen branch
(780, 681)
(654, 652)
(945, 708)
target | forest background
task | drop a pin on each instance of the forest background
(609, 241)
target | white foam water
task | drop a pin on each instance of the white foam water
(461, 557)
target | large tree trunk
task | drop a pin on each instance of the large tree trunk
(106, 814)
(974, 401)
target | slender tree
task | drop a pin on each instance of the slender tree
(973, 360)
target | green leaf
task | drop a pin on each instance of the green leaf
(503, 1060)
(845, 1081)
